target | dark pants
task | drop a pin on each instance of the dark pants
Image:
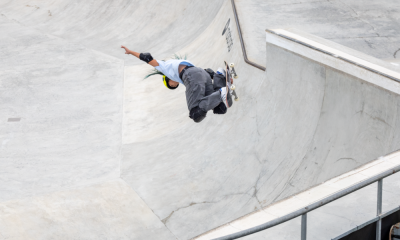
(200, 90)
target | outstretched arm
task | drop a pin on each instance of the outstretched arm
(153, 62)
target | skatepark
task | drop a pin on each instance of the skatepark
(91, 150)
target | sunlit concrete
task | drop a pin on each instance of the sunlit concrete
(88, 120)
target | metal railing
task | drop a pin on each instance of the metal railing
(241, 40)
(376, 219)
(303, 211)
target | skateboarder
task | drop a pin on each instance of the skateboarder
(201, 96)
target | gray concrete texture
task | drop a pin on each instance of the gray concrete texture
(100, 153)
(372, 27)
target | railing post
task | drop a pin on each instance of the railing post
(379, 210)
(304, 226)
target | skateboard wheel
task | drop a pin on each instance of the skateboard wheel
(237, 99)
(232, 65)
(233, 87)
(236, 76)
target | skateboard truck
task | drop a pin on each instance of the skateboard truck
(233, 72)
(234, 92)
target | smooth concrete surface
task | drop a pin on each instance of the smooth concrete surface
(163, 27)
(369, 26)
(69, 102)
(109, 210)
(89, 119)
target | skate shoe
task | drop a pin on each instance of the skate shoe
(220, 109)
(221, 71)
(226, 97)
(197, 114)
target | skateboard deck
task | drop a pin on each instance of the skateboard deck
(395, 232)
(230, 71)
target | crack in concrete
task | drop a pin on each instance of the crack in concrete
(288, 182)
(234, 227)
(359, 18)
(395, 53)
(347, 158)
(372, 117)
(16, 21)
(362, 109)
(191, 204)
(258, 159)
(33, 6)
(147, 206)
(369, 44)
(296, 3)
(378, 119)
(358, 37)
(258, 132)
(256, 190)
(165, 220)
(395, 124)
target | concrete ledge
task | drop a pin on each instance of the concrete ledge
(335, 61)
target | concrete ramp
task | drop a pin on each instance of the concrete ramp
(90, 150)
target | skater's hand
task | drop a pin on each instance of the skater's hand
(153, 63)
(127, 51)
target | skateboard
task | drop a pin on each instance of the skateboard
(394, 232)
(231, 72)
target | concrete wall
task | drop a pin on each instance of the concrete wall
(352, 119)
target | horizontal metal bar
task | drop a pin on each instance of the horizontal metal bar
(334, 55)
(356, 228)
(375, 219)
(383, 215)
(345, 234)
(312, 206)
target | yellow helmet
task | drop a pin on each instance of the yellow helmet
(166, 83)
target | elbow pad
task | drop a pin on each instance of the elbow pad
(146, 57)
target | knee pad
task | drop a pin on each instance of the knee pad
(220, 109)
(197, 114)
